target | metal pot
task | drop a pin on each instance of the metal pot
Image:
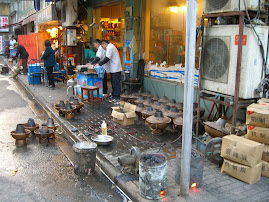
(157, 106)
(158, 122)
(148, 102)
(173, 113)
(149, 111)
(140, 99)
(164, 100)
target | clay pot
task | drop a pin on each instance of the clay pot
(157, 106)
(155, 98)
(140, 99)
(20, 129)
(164, 100)
(148, 102)
(158, 122)
(30, 123)
(149, 111)
(173, 113)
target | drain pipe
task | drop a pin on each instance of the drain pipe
(188, 97)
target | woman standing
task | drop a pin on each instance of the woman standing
(49, 62)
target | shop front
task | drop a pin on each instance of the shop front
(163, 46)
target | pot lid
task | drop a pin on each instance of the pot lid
(75, 102)
(20, 129)
(164, 99)
(148, 111)
(148, 102)
(61, 104)
(178, 121)
(68, 106)
(139, 107)
(158, 118)
(155, 98)
(140, 99)
(157, 105)
(30, 123)
(50, 123)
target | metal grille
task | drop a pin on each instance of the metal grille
(216, 59)
(217, 4)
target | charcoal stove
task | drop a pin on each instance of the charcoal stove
(20, 135)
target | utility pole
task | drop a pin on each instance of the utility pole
(188, 97)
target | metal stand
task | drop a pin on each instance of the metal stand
(233, 100)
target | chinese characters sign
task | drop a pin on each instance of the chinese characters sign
(1, 43)
(4, 22)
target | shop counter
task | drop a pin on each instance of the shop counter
(90, 79)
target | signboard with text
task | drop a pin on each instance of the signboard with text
(1, 43)
(4, 22)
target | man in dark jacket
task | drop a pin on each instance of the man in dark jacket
(49, 62)
(23, 55)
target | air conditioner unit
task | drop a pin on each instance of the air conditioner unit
(219, 59)
(71, 37)
(217, 6)
(69, 15)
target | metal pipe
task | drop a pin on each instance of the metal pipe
(188, 97)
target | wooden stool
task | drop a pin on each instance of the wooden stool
(88, 89)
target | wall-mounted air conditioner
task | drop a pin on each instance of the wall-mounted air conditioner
(216, 6)
(69, 15)
(219, 59)
(71, 37)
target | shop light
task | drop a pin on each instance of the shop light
(49, 30)
(61, 28)
(173, 6)
(183, 8)
(162, 193)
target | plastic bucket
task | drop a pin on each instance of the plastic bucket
(85, 157)
(153, 176)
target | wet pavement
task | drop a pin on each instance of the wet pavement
(43, 172)
(216, 186)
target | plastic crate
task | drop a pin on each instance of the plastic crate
(34, 68)
(34, 79)
(56, 68)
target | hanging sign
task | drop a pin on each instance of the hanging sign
(128, 56)
(4, 22)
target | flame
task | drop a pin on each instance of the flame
(162, 193)
(193, 185)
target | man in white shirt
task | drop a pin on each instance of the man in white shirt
(12, 41)
(100, 55)
(113, 63)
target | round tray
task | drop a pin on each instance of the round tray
(102, 139)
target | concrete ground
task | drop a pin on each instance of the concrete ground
(43, 172)
(216, 186)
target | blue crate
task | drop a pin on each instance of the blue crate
(34, 80)
(34, 68)
(57, 67)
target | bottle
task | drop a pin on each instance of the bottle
(104, 128)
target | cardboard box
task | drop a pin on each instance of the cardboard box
(258, 115)
(258, 134)
(241, 150)
(265, 169)
(242, 172)
(263, 101)
(265, 154)
(124, 116)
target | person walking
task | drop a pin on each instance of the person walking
(100, 55)
(49, 62)
(113, 62)
(23, 56)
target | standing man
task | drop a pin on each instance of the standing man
(23, 55)
(100, 55)
(12, 41)
(112, 61)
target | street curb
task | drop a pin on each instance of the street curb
(129, 188)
